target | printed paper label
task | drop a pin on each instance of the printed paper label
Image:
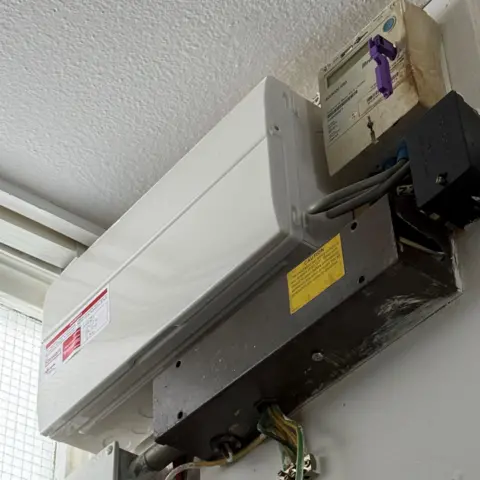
(315, 274)
(76, 333)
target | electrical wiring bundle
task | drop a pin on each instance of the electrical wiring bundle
(297, 464)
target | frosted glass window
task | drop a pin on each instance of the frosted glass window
(24, 454)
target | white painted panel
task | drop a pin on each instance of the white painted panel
(24, 281)
(36, 240)
(39, 210)
(21, 291)
(461, 36)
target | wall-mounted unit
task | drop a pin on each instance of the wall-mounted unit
(223, 222)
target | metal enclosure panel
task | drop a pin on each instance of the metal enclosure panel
(183, 256)
(264, 352)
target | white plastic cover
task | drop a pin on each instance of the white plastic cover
(171, 263)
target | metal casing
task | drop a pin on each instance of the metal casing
(214, 391)
(185, 255)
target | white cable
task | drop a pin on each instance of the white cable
(180, 469)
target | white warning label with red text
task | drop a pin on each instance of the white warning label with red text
(76, 333)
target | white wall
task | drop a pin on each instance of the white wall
(412, 412)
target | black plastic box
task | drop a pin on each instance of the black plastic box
(444, 150)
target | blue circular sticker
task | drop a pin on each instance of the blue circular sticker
(389, 24)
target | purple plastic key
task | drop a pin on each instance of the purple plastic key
(381, 50)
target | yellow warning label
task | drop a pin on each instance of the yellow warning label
(315, 274)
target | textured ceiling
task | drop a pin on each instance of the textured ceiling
(99, 98)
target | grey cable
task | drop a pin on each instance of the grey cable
(345, 193)
(340, 201)
(371, 195)
(155, 458)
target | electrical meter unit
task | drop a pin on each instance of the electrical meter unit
(377, 86)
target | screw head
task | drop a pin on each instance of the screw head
(317, 356)
(441, 179)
